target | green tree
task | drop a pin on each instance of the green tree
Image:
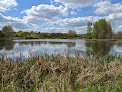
(20, 34)
(8, 30)
(102, 30)
(89, 30)
(89, 27)
(71, 32)
(95, 30)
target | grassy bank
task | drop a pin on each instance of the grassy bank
(103, 39)
(61, 74)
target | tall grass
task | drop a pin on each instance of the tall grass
(57, 73)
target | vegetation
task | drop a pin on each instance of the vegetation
(37, 35)
(119, 35)
(101, 30)
(57, 73)
(89, 31)
(8, 31)
(2, 36)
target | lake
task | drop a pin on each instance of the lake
(64, 47)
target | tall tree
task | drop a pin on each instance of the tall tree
(102, 30)
(89, 30)
(95, 30)
(89, 27)
(8, 30)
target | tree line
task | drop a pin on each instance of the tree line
(7, 32)
(99, 30)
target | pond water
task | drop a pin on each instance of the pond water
(34, 47)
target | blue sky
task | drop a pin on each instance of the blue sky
(59, 16)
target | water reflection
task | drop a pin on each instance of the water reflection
(97, 48)
(69, 44)
(7, 45)
(119, 44)
(35, 47)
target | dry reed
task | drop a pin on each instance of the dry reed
(61, 74)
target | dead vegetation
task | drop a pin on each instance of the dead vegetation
(61, 74)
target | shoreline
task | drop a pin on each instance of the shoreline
(103, 39)
(81, 39)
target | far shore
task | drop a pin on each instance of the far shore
(83, 39)
(68, 38)
(103, 39)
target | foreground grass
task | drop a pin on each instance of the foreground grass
(61, 74)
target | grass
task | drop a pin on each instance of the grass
(57, 73)
(104, 39)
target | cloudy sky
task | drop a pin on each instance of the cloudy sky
(59, 15)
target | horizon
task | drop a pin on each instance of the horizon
(59, 16)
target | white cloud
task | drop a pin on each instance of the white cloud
(80, 23)
(16, 23)
(117, 17)
(114, 11)
(77, 22)
(74, 4)
(118, 29)
(50, 14)
(44, 14)
(54, 30)
(41, 14)
(81, 30)
(105, 7)
(7, 4)
(118, 49)
(102, 4)
(80, 46)
(73, 13)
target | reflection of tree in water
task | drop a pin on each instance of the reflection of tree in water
(2, 44)
(8, 45)
(119, 44)
(32, 43)
(88, 48)
(97, 48)
(71, 45)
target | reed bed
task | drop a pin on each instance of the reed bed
(57, 73)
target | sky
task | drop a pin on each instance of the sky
(59, 16)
